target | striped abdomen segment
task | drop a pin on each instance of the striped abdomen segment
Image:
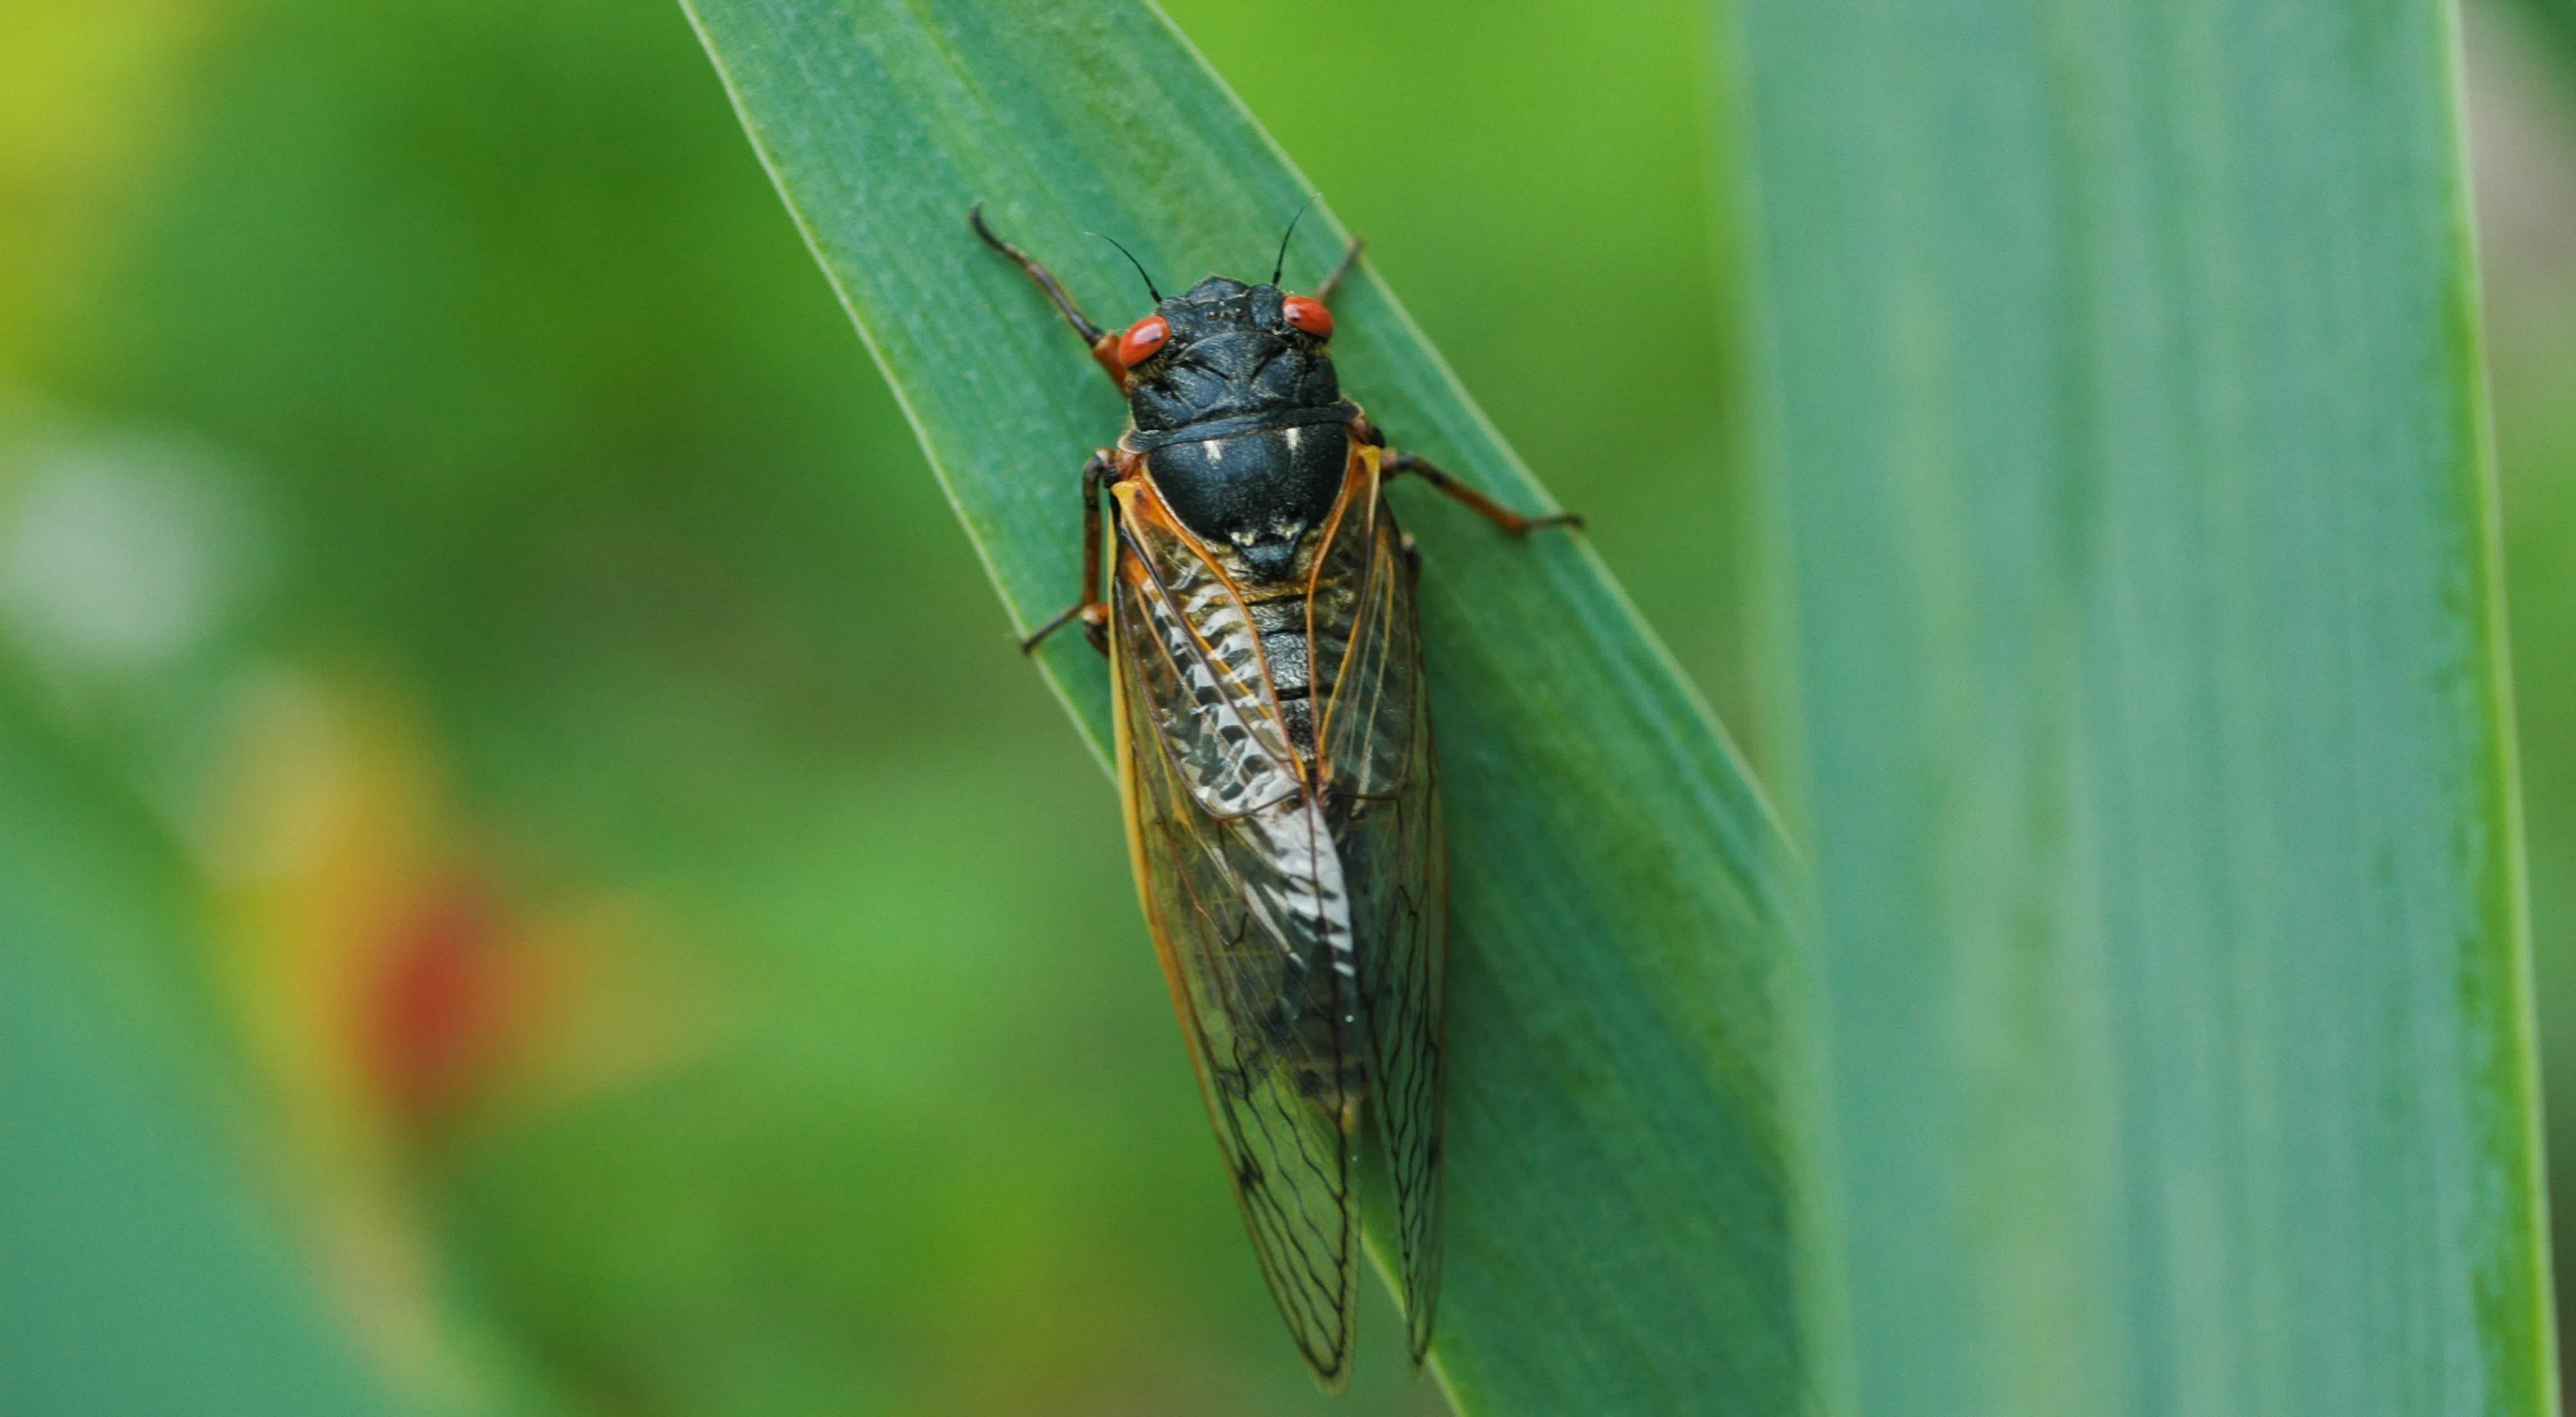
(1281, 623)
(1316, 1025)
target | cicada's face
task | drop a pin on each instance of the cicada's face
(1225, 350)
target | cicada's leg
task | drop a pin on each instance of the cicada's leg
(1341, 268)
(1104, 343)
(1091, 610)
(1395, 465)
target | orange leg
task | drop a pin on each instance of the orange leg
(1395, 465)
(1091, 610)
(1333, 282)
(1104, 343)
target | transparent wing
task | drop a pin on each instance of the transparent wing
(1245, 895)
(1382, 800)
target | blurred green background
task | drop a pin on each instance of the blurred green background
(527, 857)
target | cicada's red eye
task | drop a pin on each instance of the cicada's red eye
(1307, 315)
(1142, 339)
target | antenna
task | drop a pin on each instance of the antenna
(1131, 260)
(1282, 263)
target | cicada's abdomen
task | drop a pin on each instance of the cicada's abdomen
(1281, 623)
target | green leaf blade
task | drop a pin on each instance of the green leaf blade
(1627, 1214)
(2145, 650)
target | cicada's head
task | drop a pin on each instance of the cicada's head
(1228, 350)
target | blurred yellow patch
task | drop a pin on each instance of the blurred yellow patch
(394, 988)
(88, 95)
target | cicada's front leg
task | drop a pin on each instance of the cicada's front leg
(1341, 268)
(1103, 343)
(1090, 609)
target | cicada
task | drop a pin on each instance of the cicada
(1275, 762)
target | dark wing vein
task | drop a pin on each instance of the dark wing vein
(1244, 892)
(1383, 803)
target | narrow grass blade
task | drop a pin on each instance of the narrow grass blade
(2144, 644)
(1625, 1215)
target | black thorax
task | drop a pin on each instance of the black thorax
(1243, 425)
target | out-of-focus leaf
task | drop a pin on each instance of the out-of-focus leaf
(2141, 605)
(1627, 1213)
(2554, 21)
(140, 1269)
